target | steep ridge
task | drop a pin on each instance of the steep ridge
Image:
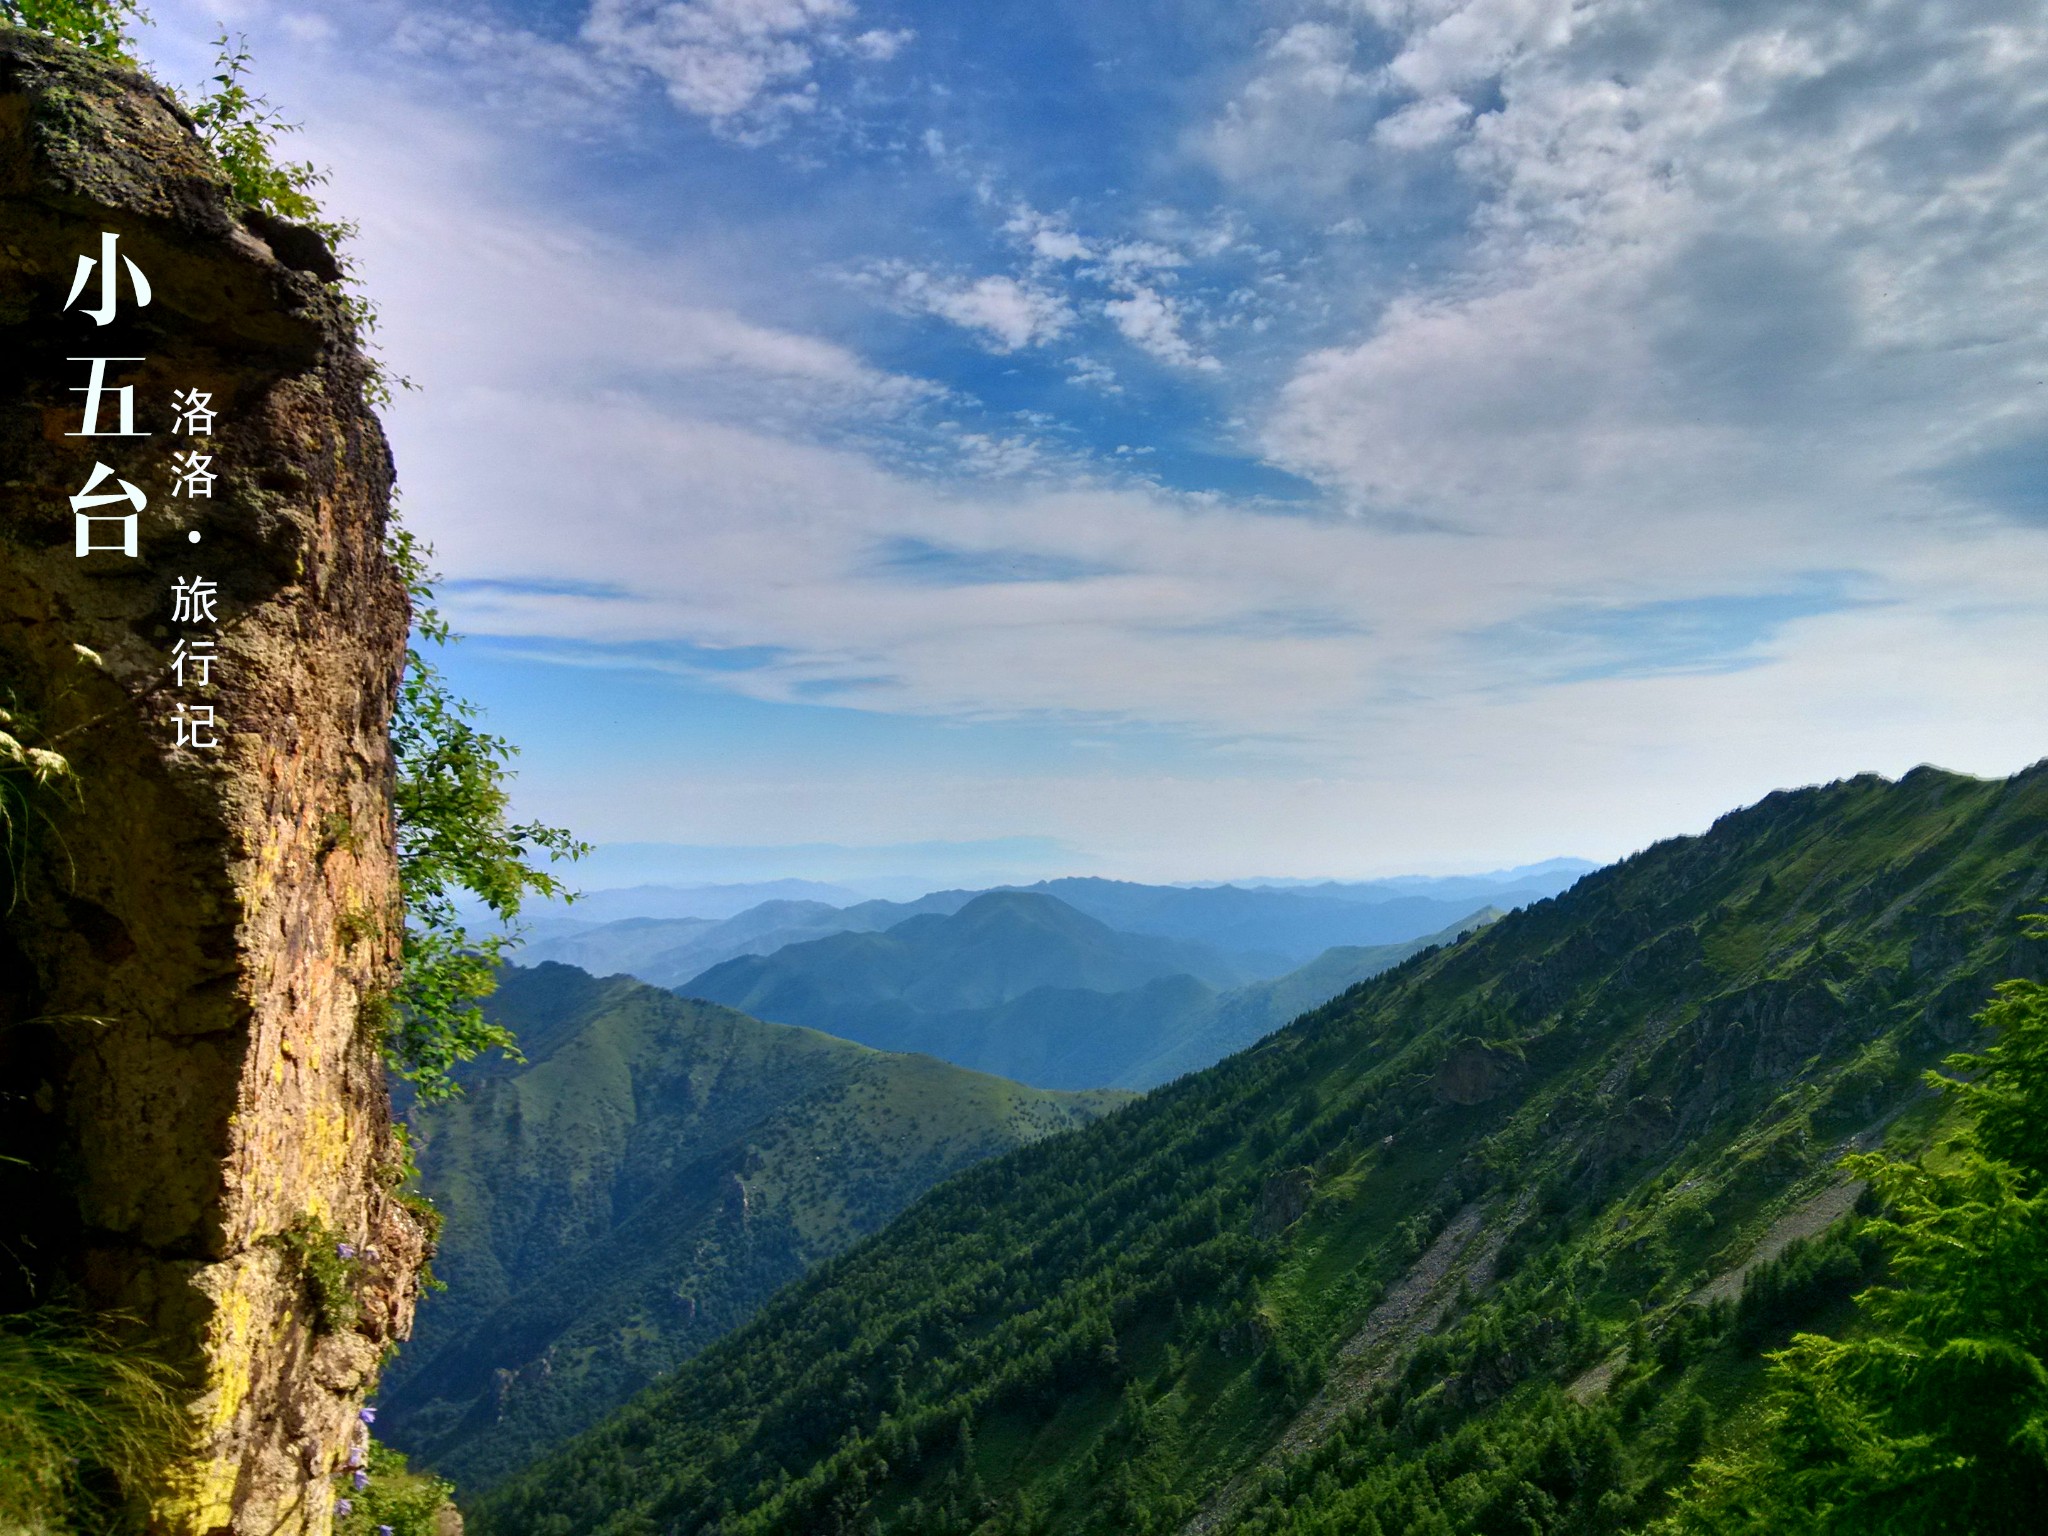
(645, 1179)
(1605, 1099)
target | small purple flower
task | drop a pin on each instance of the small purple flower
(345, 1250)
(360, 1478)
(343, 1509)
(355, 1456)
(368, 1415)
(385, 1530)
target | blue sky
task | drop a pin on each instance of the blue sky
(1185, 439)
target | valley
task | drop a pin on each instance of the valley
(658, 1166)
(649, 1175)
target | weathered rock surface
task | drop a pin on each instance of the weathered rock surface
(1475, 1073)
(190, 967)
(1283, 1200)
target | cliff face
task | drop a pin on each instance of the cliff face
(192, 958)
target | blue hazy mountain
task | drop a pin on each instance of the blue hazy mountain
(1264, 929)
(1021, 984)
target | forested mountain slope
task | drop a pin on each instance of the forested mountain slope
(1426, 1261)
(1230, 1021)
(651, 1174)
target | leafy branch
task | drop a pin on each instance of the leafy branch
(242, 130)
(455, 835)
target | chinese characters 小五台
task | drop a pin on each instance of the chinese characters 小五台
(107, 510)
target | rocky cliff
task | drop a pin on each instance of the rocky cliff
(203, 915)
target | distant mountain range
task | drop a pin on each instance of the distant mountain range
(1270, 930)
(658, 1165)
(666, 952)
(670, 936)
(1546, 878)
(640, 1184)
(711, 902)
(1022, 984)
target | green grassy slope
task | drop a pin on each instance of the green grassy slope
(1421, 1262)
(653, 1173)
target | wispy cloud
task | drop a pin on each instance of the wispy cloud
(1716, 271)
(1151, 321)
(928, 563)
(1005, 312)
(737, 63)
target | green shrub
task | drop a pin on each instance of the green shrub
(99, 26)
(1932, 1416)
(391, 1496)
(328, 1266)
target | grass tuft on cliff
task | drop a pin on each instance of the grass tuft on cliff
(81, 1416)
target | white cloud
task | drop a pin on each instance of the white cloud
(1311, 115)
(490, 291)
(1297, 123)
(1008, 313)
(1727, 313)
(880, 44)
(1049, 238)
(1716, 275)
(1128, 256)
(1151, 321)
(1422, 123)
(1060, 245)
(745, 66)
(733, 60)
(1448, 45)
(1093, 374)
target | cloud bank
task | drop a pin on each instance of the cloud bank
(1660, 386)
